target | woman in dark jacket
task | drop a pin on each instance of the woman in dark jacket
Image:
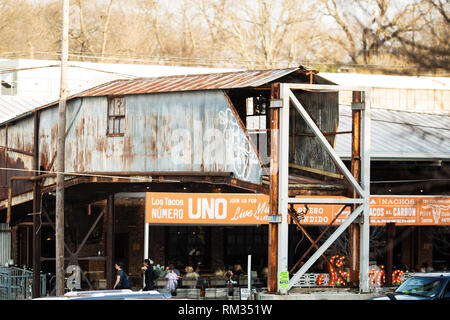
(149, 275)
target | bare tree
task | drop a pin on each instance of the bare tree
(225, 33)
(429, 46)
(372, 31)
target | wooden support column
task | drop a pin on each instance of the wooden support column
(37, 220)
(390, 236)
(110, 244)
(354, 228)
(273, 193)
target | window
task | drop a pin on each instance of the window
(256, 124)
(256, 113)
(188, 246)
(116, 116)
(241, 241)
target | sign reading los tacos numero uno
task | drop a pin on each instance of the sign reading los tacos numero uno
(249, 209)
(206, 208)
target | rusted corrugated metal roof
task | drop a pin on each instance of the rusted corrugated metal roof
(211, 81)
(214, 81)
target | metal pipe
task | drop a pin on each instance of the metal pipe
(314, 244)
(365, 184)
(6, 148)
(8, 212)
(317, 240)
(325, 246)
(6, 153)
(16, 178)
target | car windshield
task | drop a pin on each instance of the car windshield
(420, 286)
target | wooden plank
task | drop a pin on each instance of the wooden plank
(317, 171)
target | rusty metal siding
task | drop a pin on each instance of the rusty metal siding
(5, 244)
(18, 160)
(179, 131)
(48, 130)
(324, 110)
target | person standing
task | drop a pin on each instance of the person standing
(121, 278)
(172, 278)
(149, 275)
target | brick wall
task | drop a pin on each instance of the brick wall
(129, 214)
(157, 244)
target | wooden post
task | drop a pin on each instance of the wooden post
(356, 172)
(60, 161)
(274, 187)
(37, 221)
(110, 244)
(390, 236)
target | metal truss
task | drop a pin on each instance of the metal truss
(361, 188)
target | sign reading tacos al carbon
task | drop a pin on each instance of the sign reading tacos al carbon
(410, 210)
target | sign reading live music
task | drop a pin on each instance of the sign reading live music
(251, 209)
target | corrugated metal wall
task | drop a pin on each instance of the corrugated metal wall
(324, 110)
(5, 244)
(180, 132)
(18, 138)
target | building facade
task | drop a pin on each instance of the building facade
(196, 135)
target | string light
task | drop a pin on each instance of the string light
(377, 275)
(397, 276)
(320, 279)
(333, 275)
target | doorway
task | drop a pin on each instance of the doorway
(121, 242)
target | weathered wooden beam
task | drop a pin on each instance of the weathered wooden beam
(273, 191)
(36, 288)
(110, 243)
(86, 237)
(354, 229)
(316, 171)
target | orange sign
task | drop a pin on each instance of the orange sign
(207, 208)
(229, 209)
(401, 210)
(410, 210)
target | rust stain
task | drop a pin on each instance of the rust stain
(19, 186)
(128, 152)
(153, 139)
(101, 145)
(44, 155)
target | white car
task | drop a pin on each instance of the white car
(124, 294)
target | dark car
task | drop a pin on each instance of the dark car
(422, 286)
